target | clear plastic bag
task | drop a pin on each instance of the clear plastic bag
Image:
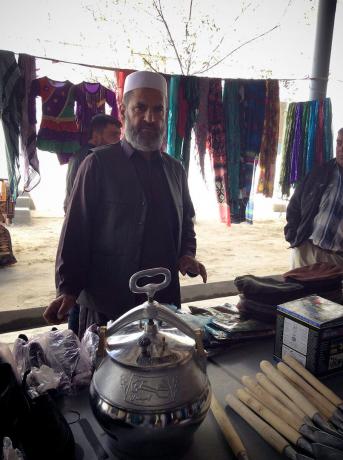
(41, 379)
(29, 353)
(85, 367)
(9, 453)
(61, 351)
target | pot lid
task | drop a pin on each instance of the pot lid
(144, 345)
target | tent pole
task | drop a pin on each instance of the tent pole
(322, 49)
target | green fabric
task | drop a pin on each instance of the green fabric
(233, 140)
(54, 146)
(192, 96)
(286, 157)
(172, 113)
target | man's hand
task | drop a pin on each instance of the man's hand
(191, 265)
(58, 310)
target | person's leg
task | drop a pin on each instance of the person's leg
(303, 255)
(308, 254)
(329, 257)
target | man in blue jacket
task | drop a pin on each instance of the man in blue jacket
(315, 214)
(130, 210)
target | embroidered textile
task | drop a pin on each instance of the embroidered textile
(90, 100)
(217, 147)
(58, 132)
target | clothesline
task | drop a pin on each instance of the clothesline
(114, 69)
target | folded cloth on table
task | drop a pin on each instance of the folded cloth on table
(225, 324)
(268, 290)
(253, 309)
(315, 272)
(321, 278)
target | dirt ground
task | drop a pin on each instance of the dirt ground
(258, 249)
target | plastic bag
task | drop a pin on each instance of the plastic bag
(61, 351)
(86, 365)
(42, 379)
(9, 453)
(29, 353)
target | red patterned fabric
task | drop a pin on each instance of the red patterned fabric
(182, 110)
(120, 77)
(217, 147)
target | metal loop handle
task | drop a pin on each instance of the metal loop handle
(151, 288)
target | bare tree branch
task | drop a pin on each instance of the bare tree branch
(149, 64)
(158, 8)
(189, 17)
(190, 11)
(242, 12)
(234, 50)
(189, 63)
(219, 43)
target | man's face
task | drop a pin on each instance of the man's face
(339, 150)
(144, 118)
(109, 135)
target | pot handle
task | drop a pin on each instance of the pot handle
(151, 288)
(152, 311)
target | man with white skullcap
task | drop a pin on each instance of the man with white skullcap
(130, 210)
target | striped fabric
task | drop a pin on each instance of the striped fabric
(328, 224)
(11, 94)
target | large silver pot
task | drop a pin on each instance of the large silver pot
(151, 391)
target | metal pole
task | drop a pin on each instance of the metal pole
(322, 50)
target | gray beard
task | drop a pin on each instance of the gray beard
(141, 142)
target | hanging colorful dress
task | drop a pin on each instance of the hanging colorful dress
(90, 100)
(58, 132)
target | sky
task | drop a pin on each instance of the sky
(122, 33)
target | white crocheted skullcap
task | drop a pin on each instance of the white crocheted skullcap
(145, 79)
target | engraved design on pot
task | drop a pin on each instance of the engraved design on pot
(140, 389)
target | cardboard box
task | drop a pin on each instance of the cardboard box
(311, 330)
